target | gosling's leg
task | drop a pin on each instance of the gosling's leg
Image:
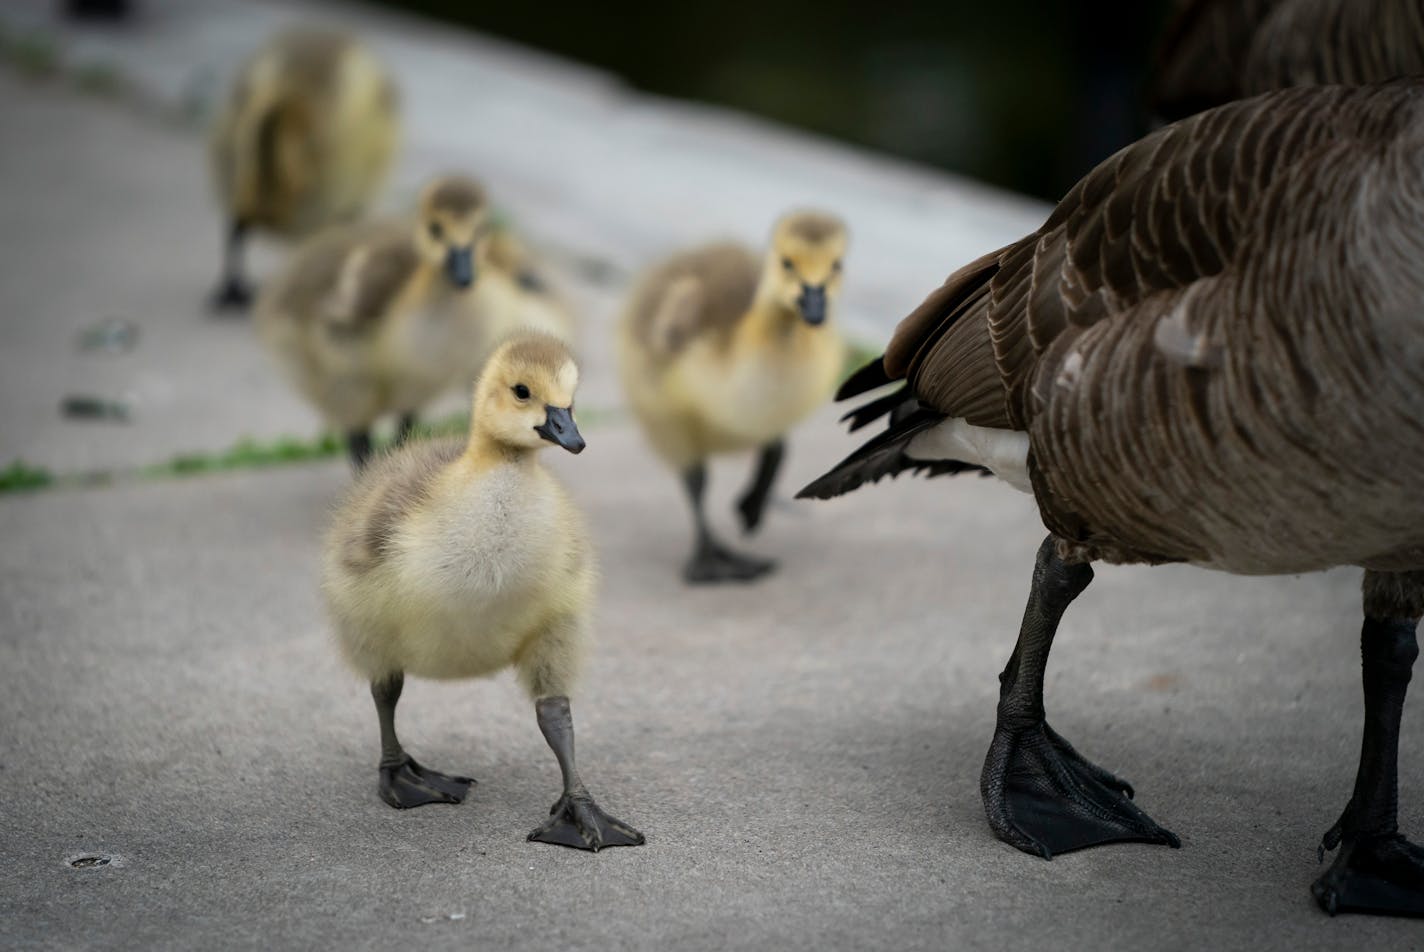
(752, 505)
(358, 446)
(404, 428)
(404, 783)
(711, 561)
(1040, 794)
(1377, 870)
(574, 819)
(233, 292)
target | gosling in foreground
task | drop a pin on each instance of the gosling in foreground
(453, 559)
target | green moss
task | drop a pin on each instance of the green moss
(20, 476)
(248, 454)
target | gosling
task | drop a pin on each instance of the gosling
(304, 142)
(457, 560)
(513, 297)
(722, 352)
(367, 321)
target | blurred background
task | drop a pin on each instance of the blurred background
(1023, 94)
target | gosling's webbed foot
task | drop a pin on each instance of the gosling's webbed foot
(1378, 874)
(714, 564)
(231, 296)
(1043, 797)
(408, 784)
(579, 822)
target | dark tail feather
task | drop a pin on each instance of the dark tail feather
(885, 456)
(875, 409)
(867, 378)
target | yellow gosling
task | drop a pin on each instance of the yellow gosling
(722, 350)
(453, 559)
(367, 320)
(304, 142)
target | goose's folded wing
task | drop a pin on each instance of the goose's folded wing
(1163, 213)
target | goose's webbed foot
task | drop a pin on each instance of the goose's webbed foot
(1379, 874)
(232, 296)
(407, 784)
(575, 820)
(712, 563)
(1043, 797)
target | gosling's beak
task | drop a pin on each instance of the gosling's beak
(460, 266)
(559, 428)
(812, 303)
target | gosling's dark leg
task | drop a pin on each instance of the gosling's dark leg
(1040, 794)
(574, 819)
(404, 428)
(233, 292)
(404, 783)
(712, 561)
(1377, 870)
(358, 446)
(752, 505)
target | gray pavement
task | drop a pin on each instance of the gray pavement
(803, 755)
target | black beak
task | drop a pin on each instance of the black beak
(460, 266)
(812, 303)
(559, 427)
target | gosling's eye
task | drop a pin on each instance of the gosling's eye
(436, 231)
(788, 264)
(521, 391)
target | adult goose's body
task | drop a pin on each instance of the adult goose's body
(1212, 352)
(1215, 51)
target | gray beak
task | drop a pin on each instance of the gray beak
(812, 303)
(559, 428)
(460, 267)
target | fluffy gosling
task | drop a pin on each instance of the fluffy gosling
(457, 560)
(304, 141)
(721, 351)
(367, 321)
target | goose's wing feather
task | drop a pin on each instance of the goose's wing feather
(1127, 245)
(1163, 213)
(885, 456)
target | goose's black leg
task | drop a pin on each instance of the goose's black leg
(233, 292)
(1377, 870)
(1040, 794)
(358, 446)
(574, 819)
(404, 428)
(712, 561)
(753, 502)
(404, 783)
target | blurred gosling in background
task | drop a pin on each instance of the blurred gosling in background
(305, 141)
(454, 559)
(368, 319)
(722, 349)
(512, 296)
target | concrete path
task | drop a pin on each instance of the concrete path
(803, 755)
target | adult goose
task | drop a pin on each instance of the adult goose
(1212, 352)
